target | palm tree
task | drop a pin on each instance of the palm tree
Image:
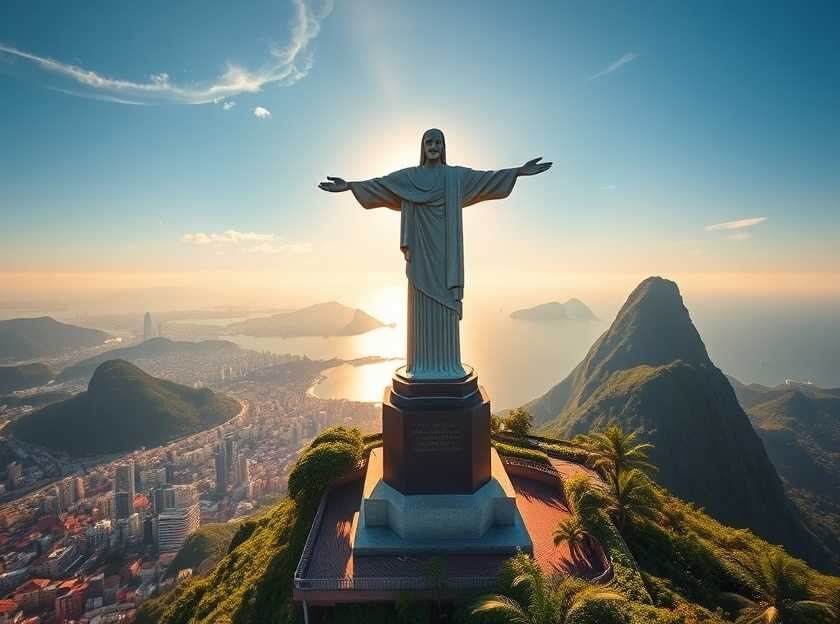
(572, 531)
(630, 497)
(781, 586)
(611, 451)
(546, 602)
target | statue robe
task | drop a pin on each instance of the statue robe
(430, 201)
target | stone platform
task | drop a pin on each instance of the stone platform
(485, 521)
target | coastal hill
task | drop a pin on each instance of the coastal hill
(26, 338)
(123, 409)
(322, 319)
(650, 370)
(23, 377)
(572, 310)
(154, 347)
(800, 427)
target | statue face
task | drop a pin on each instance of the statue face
(433, 146)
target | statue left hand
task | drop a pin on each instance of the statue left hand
(533, 167)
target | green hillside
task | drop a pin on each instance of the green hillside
(26, 338)
(35, 400)
(650, 370)
(203, 548)
(678, 567)
(800, 427)
(23, 377)
(123, 409)
(154, 347)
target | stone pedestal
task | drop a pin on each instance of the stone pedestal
(437, 486)
(436, 436)
(483, 522)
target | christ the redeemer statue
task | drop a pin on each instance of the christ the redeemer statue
(430, 199)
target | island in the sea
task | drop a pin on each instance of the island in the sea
(572, 310)
(322, 319)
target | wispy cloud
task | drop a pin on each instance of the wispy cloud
(228, 105)
(285, 66)
(620, 62)
(735, 225)
(262, 113)
(229, 237)
(250, 242)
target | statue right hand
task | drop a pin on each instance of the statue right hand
(335, 185)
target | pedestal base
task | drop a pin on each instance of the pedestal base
(486, 521)
(436, 435)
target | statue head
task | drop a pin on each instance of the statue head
(432, 147)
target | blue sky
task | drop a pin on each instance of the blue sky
(663, 121)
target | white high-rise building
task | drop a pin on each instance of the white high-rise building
(147, 326)
(175, 526)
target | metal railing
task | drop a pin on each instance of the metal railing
(531, 464)
(306, 554)
(406, 583)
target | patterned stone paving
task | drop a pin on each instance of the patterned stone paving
(540, 505)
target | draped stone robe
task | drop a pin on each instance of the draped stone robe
(430, 200)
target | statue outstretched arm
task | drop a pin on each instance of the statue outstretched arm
(479, 186)
(369, 193)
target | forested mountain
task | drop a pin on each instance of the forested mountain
(650, 370)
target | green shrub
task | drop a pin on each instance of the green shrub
(599, 612)
(521, 452)
(338, 434)
(335, 452)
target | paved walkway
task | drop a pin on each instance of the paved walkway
(540, 505)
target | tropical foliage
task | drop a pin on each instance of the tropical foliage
(781, 592)
(518, 422)
(542, 600)
(572, 531)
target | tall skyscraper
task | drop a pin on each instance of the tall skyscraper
(175, 526)
(147, 326)
(124, 504)
(164, 498)
(244, 470)
(221, 470)
(232, 457)
(124, 489)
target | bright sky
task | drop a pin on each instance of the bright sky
(179, 145)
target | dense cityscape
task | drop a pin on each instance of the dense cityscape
(87, 540)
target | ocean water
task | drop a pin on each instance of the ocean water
(754, 340)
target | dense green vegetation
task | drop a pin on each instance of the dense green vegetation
(27, 338)
(253, 581)
(35, 400)
(650, 371)
(671, 562)
(800, 427)
(123, 409)
(203, 548)
(23, 377)
(152, 348)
